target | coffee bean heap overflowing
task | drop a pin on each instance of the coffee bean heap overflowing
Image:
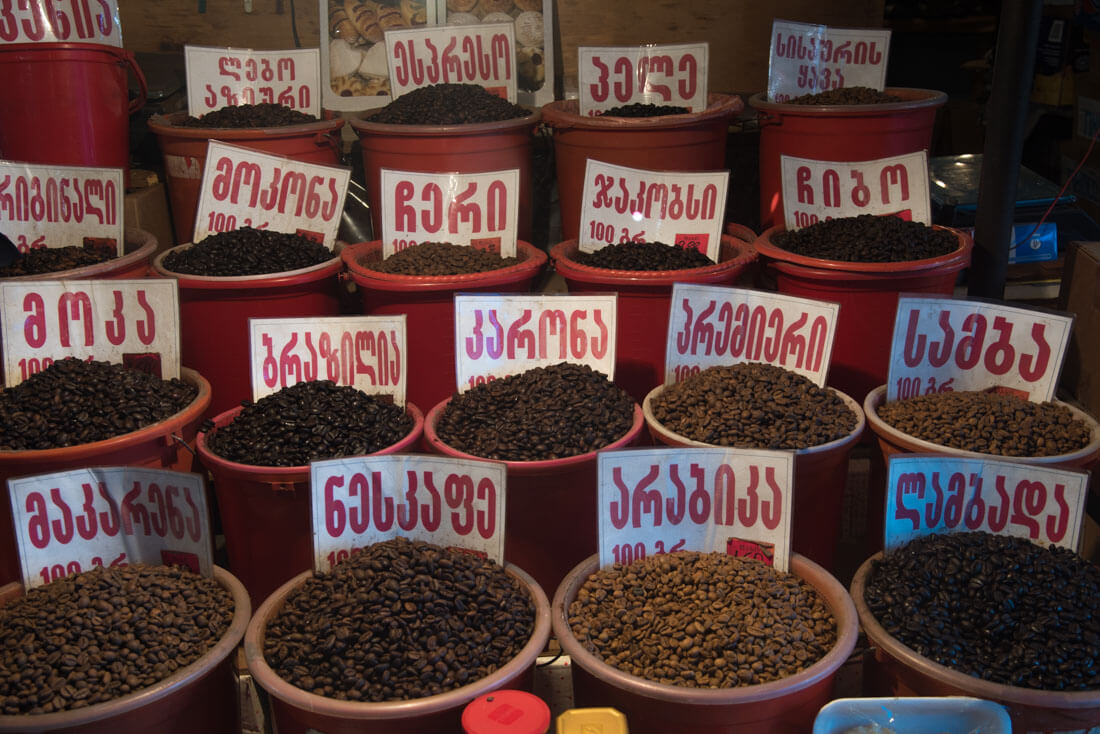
(749, 405)
(74, 402)
(702, 620)
(647, 256)
(399, 620)
(995, 607)
(52, 260)
(544, 413)
(310, 421)
(640, 109)
(448, 104)
(265, 114)
(847, 95)
(247, 251)
(868, 239)
(440, 258)
(989, 422)
(105, 633)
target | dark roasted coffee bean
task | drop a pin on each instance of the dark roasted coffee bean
(649, 256)
(265, 114)
(440, 258)
(639, 109)
(447, 104)
(247, 251)
(868, 238)
(847, 95)
(53, 260)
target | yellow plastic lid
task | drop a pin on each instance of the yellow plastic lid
(592, 721)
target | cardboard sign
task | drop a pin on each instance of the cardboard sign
(72, 521)
(735, 501)
(944, 344)
(483, 54)
(501, 335)
(61, 206)
(816, 191)
(60, 21)
(623, 204)
(476, 209)
(364, 352)
(442, 500)
(661, 74)
(131, 322)
(227, 77)
(808, 59)
(713, 325)
(242, 187)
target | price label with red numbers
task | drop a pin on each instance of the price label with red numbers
(364, 352)
(810, 59)
(447, 501)
(945, 344)
(929, 494)
(712, 325)
(242, 187)
(62, 206)
(227, 77)
(735, 501)
(499, 335)
(132, 322)
(60, 21)
(476, 209)
(73, 521)
(482, 54)
(816, 191)
(623, 204)
(672, 75)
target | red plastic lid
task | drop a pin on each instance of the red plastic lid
(506, 712)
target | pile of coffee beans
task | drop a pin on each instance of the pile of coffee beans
(702, 620)
(265, 114)
(448, 104)
(310, 421)
(399, 620)
(868, 239)
(995, 607)
(640, 109)
(847, 95)
(74, 402)
(440, 258)
(648, 256)
(96, 636)
(544, 413)
(53, 260)
(247, 251)
(749, 405)
(989, 423)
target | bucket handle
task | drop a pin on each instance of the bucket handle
(332, 140)
(173, 440)
(143, 87)
(281, 486)
(764, 118)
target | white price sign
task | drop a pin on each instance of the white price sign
(442, 500)
(734, 501)
(929, 495)
(711, 325)
(808, 59)
(62, 206)
(227, 77)
(483, 54)
(72, 521)
(131, 322)
(816, 191)
(60, 21)
(476, 209)
(242, 187)
(945, 344)
(500, 335)
(673, 75)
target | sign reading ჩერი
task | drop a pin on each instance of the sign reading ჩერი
(476, 209)
(621, 205)
(809, 59)
(735, 501)
(483, 54)
(672, 75)
(60, 21)
(227, 77)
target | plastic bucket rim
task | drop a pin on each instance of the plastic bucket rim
(268, 679)
(163, 125)
(563, 115)
(561, 256)
(147, 245)
(920, 97)
(535, 259)
(250, 282)
(363, 126)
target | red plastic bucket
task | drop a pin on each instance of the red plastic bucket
(693, 141)
(166, 445)
(786, 705)
(138, 247)
(820, 475)
(551, 513)
(473, 148)
(846, 133)
(67, 104)
(296, 711)
(184, 152)
(214, 314)
(868, 297)
(645, 299)
(428, 304)
(265, 511)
